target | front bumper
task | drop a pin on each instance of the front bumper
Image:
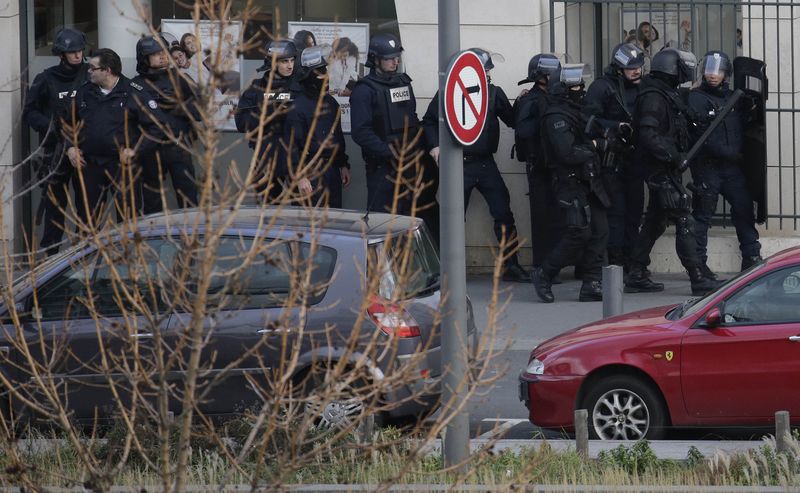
(550, 399)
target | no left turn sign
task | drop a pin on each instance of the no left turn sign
(466, 98)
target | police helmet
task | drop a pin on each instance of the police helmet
(383, 45)
(716, 63)
(541, 66)
(627, 56)
(145, 47)
(68, 40)
(485, 56)
(677, 63)
(566, 77)
(314, 58)
(280, 49)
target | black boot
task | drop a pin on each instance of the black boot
(541, 282)
(514, 272)
(707, 272)
(578, 273)
(591, 291)
(639, 281)
(701, 285)
(750, 261)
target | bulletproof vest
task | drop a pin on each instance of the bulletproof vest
(61, 92)
(729, 134)
(678, 115)
(620, 100)
(572, 116)
(530, 106)
(396, 106)
(490, 137)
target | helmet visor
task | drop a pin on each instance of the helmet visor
(315, 57)
(687, 66)
(574, 74)
(715, 64)
(548, 65)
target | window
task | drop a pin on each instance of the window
(51, 15)
(407, 265)
(63, 296)
(772, 298)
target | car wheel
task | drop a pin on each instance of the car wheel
(624, 408)
(339, 406)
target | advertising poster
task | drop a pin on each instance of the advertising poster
(349, 43)
(199, 54)
(654, 29)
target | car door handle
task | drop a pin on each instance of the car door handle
(269, 329)
(794, 338)
(142, 335)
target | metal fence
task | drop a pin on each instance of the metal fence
(587, 30)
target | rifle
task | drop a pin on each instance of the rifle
(723, 112)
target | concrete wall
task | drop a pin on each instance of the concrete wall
(11, 109)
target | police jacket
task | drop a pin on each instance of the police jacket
(567, 147)
(248, 118)
(175, 97)
(528, 111)
(326, 137)
(104, 131)
(725, 142)
(382, 106)
(498, 108)
(50, 97)
(611, 98)
(660, 125)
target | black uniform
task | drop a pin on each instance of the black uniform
(661, 128)
(579, 191)
(47, 103)
(327, 138)
(480, 168)
(111, 122)
(718, 170)
(176, 99)
(272, 161)
(383, 110)
(612, 98)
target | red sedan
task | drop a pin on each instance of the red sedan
(731, 358)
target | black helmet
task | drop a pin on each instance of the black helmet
(716, 63)
(541, 65)
(280, 49)
(627, 56)
(677, 63)
(566, 77)
(315, 57)
(68, 40)
(485, 56)
(383, 45)
(145, 47)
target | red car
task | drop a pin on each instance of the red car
(730, 358)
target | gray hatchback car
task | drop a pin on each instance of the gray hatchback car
(345, 249)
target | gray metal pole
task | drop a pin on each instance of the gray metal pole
(582, 432)
(454, 277)
(783, 431)
(612, 291)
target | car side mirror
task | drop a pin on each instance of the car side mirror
(713, 319)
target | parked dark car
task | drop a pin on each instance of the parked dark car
(728, 359)
(344, 248)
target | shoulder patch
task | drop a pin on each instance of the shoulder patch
(152, 104)
(559, 124)
(137, 86)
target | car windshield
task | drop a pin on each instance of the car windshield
(407, 265)
(690, 307)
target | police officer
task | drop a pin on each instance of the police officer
(480, 168)
(112, 111)
(271, 166)
(315, 129)
(173, 94)
(546, 222)
(384, 123)
(718, 168)
(661, 132)
(47, 104)
(574, 159)
(611, 99)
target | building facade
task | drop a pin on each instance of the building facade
(513, 30)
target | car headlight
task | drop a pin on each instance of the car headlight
(535, 367)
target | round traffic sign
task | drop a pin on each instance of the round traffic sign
(466, 98)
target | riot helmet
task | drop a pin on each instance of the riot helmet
(569, 81)
(313, 59)
(145, 47)
(678, 64)
(69, 40)
(383, 46)
(541, 66)
(485, 56)
(280, 49)
(627, 56)
(716, 64)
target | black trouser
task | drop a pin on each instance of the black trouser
(101, 181)
(55, 200)
(626, 191)
(668, 202)
(178, 162)
(547, 221)
(481, 173)
(586, 234)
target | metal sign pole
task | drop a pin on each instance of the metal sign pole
(454, 279)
